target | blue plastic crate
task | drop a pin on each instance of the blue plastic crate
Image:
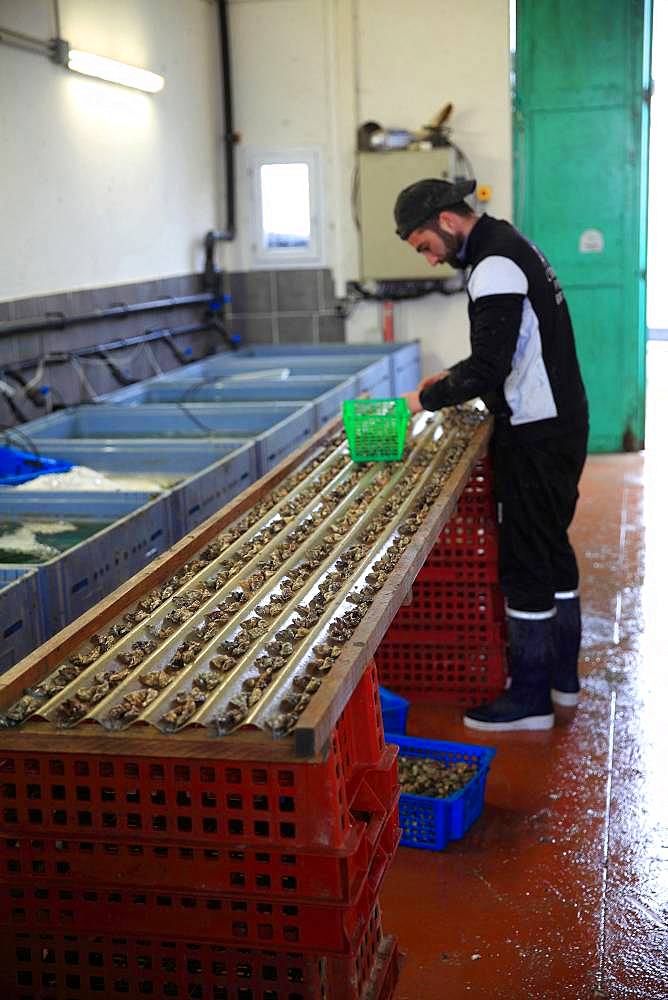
(394, 368)
(395, 710)
(400, 354)
(228, 365)
(277, 428)
(21, 466)
(326, 392)
(200, 496)
(223, 389)
(20, 620)
(328, 404)
(373, 364)
(284, 437)
(381, 348)
(78, 578)
(326, 375)
(376, 379)
(113, 421)
(406, 369)
(430, 823)
(171, 462)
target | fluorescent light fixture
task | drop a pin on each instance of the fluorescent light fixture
(114, 71)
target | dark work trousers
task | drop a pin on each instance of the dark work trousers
(536, 489)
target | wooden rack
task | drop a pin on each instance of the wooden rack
(309, 740)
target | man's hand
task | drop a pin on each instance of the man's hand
(413, 400)
(431, 379)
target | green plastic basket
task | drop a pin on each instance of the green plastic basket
(376, 428)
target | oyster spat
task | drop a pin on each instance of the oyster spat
(287, 708)
(144, 610)
(270, 593)
(273, 607)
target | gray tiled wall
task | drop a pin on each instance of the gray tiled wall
(268, 307)
(282, 307)
(66, 381)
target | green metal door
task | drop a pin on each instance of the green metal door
(581, 156)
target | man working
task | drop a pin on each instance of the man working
(524, 366)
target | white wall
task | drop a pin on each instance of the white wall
(657, 249)
(105, 185)
(102, 185)
(310, 71)
(283, 97)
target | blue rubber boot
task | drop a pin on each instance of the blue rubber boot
(526, 705)
(567, 635)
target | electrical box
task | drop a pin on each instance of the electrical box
(382, 175)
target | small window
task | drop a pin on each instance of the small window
(286, 208)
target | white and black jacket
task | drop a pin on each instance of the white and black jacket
(523, 362)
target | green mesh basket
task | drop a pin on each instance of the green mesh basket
(376, 428)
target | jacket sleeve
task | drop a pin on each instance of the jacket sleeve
(495, 327)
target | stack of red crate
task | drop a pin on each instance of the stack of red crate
(174, 877)
(449, 642)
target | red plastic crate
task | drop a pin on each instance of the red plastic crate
(271, 868)
(475, 528)
(235, 922)
(298, 805)
(385, 976)
(477, 497)
(185, 803)
(465, 542)
(467, 548)
(472, 527)
(274, 921)
(79, 967)
(334, 876)
(458, 611)
(430, 665)
(463, 570)
(234, 870)
(180, 801)
(359, 731)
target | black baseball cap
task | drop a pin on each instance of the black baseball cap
(425, 199)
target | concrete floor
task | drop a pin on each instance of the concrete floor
(560, 890)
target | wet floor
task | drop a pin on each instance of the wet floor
(560, 890)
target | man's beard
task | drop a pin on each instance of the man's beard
(453, 243)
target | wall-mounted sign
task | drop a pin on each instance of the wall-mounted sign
(591, 241)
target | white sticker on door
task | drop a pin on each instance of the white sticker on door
(591, 241)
